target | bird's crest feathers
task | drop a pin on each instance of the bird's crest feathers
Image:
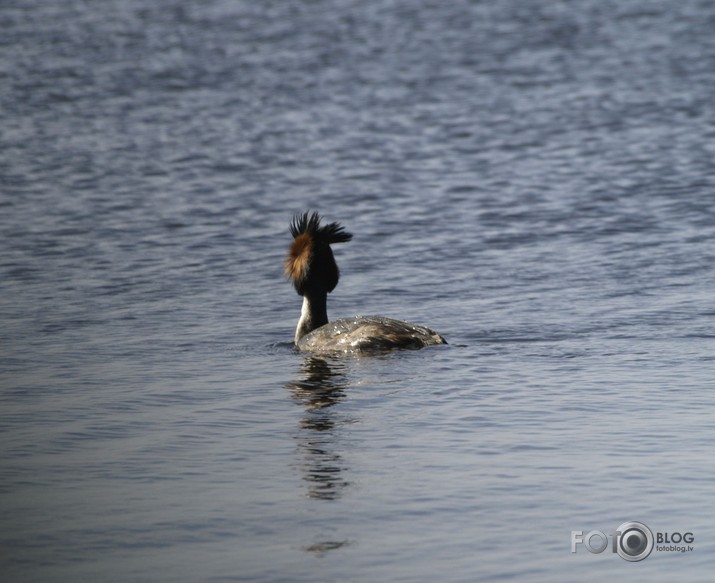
(310, 261)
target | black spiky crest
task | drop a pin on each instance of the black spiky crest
(309, 224)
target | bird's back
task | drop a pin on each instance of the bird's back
(368, 334)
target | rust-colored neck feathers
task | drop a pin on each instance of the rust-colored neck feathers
(296, 264)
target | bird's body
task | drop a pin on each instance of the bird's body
(367, 334)
(311, 267)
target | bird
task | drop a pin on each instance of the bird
(310, 265)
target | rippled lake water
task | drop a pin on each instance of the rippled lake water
(534, 180)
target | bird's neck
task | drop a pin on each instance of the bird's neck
(313, 314)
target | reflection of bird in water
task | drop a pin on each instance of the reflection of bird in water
(323, 385)
(311, 267)
(320, 390)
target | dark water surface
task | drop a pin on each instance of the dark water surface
(534, 180)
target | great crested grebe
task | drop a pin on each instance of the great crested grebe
(311, 267)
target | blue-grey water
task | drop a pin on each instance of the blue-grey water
(534, 180)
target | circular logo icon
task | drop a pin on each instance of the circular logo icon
(635, 542)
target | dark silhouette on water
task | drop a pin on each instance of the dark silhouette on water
(311, 267)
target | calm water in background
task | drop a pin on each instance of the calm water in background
(533, 180)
